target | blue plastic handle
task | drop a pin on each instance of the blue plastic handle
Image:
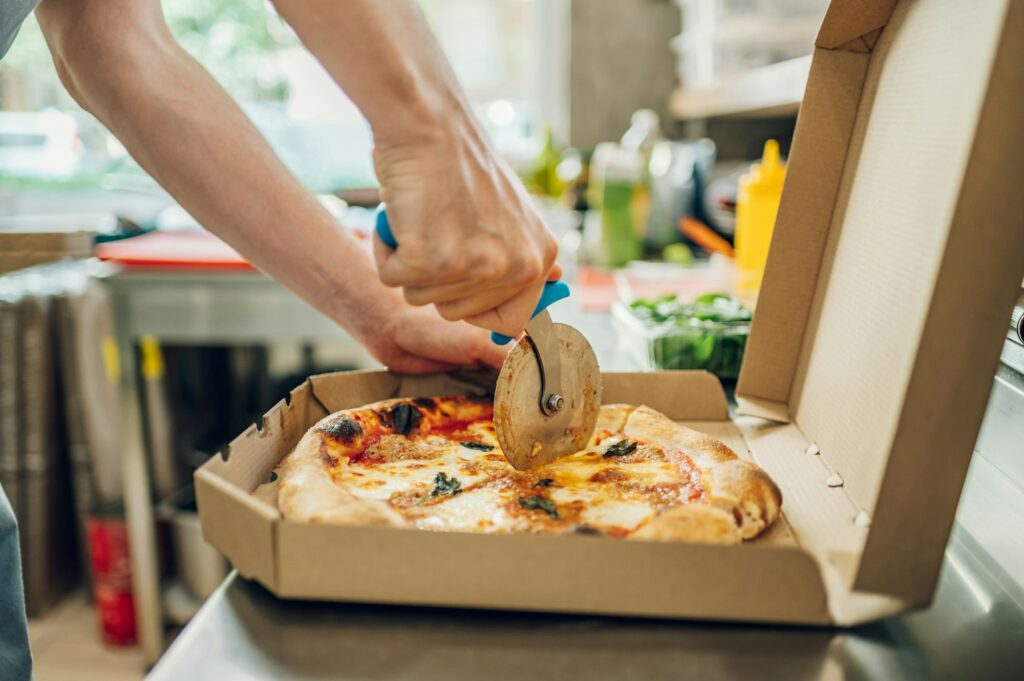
(384, 228)
(553, 290)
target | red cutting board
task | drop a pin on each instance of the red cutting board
(174, 250)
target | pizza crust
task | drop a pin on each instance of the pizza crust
(739, 488)
(307, 492)
(692, 523)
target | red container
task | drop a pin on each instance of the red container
(112, 578)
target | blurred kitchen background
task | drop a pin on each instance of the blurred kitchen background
(134, 345)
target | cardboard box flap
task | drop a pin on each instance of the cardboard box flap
(538, 572)
(823, 128)
(233, 520)
(368, 386)
(681, 395)
(238, 524)
(466, 381)
(974, 293)
(854, 25)
(894, 265)
(365, 387)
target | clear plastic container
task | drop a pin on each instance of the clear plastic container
(715, 346)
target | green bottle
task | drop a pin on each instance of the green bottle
(619, 193)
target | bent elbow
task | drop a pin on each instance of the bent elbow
(96, 56)
(92, 69)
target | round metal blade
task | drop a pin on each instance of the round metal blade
(528, 437)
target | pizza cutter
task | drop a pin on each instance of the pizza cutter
(548, 393)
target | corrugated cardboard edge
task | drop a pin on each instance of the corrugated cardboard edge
(854, 26)
(769, 410)
(972, 269)
(241, 526)
(824, 126)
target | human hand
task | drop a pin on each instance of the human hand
(416, 340)
(471, 241)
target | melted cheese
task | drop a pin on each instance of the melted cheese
(477, 510)
(612, 494)
(382, 480)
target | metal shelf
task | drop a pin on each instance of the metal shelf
(774, 90)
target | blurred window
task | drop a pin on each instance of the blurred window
(498, 49)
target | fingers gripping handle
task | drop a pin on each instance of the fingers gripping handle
(553, 290)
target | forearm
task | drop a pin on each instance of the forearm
(472, 241)
(182, 127)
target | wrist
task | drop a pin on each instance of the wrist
(425, 116)
(359, 302)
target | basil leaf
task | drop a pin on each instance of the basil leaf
(620, 448)
(538, 503)
(445, 485)
(478, 446)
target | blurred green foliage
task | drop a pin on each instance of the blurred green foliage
(236, 40)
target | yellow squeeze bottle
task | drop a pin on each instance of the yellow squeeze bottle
(757, 204)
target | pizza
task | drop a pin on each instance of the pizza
(435, 464)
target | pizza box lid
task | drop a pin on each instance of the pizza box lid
(895, 262)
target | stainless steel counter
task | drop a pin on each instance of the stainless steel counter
(974, 629)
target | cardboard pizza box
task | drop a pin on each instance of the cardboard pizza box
(896, 260)
(21, 249)
(46, 521)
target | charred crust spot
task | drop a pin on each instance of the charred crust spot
(342, 428)
(428, 403)
(587, 530)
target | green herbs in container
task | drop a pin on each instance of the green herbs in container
(709, 332)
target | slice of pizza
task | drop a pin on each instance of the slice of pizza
(435, 464)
